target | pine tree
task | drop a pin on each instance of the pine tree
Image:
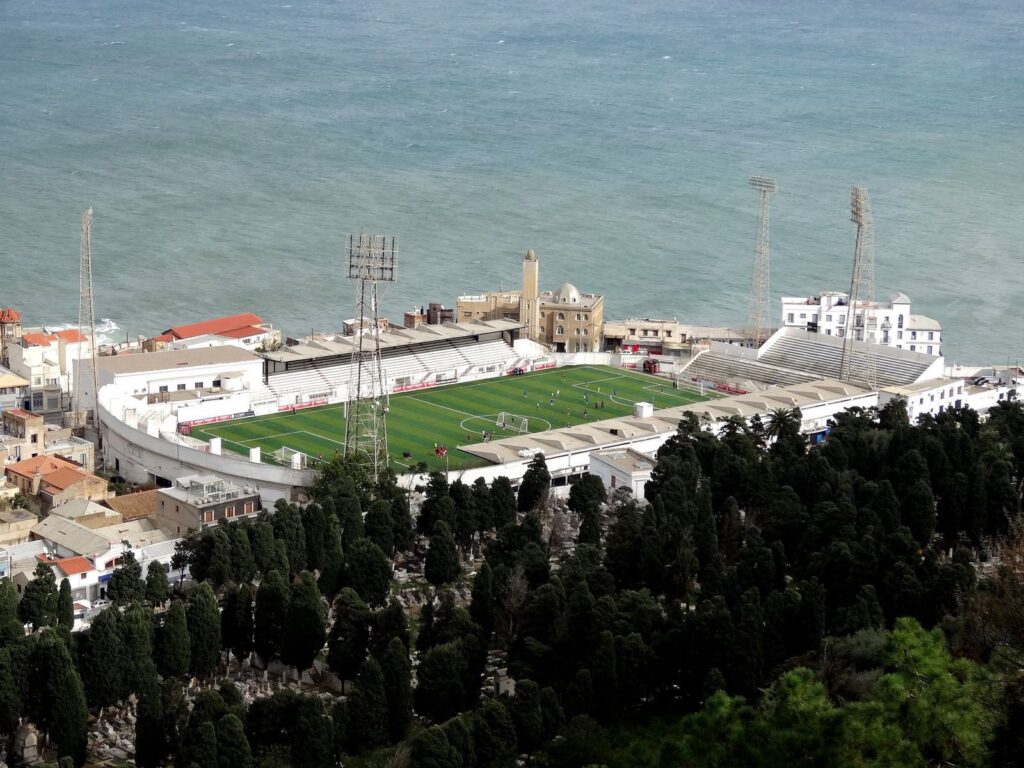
(442, 564)
(368, 708)
(397, 672)
(126, 585)
(441, 678)
(204, 631)
(157, 588)
(270, 619)
(65, 607)
(233, 749)
(173, 645)
(307, 623)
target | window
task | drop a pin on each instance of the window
(560, 331)
(37, 400)
(803, 315)
(35, 439)
(828, 331)
(579, 316)
(814, 317)
(929, 349)
(899, 334)
(229, 511)
(828, 318)
(931, 335)
(632, 331)
(198, 385)
(840, 332)
(248, 507)
(181, 387)
(467, 314)
(208, 516)
(913, 335)
(899, 321)
(913, 348)
(163, 389)
(561, 316)
(842, 319)
(216, 383)
(584, 331)
(789, 318)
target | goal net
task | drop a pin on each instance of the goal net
(289, 457)
(512, 423)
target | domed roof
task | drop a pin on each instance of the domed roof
(530, 256)
(568, 294)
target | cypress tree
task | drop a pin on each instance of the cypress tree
(349, 636)
(137, 639)
(481, 607)
(431, 749)
(157, 588)
(204, 747)
(442, 564)
(243, 561)
(233, 749)
(403, 534)
(11, 628)
(38, 605)
(397, 672)
(368, 708)
(526, 714)
(503, 502)
(242, 622)
(307, 623)
(125, 585)
(102, 660)
(552, 715)
(379, 527)
(10, 692)
(65, 607)
(494, 736)
(287, 523)
(173, 647)
(204, 631)
(368, 571)
(334, 564)
(441, 676)
(533, 490)
(262, 541)
(312, 742)
(314, 526)
(66, 710)
(270, 619)
(350, 518)
(387, 624)
(150, 727)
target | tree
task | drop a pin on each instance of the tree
(173, 648)
(368, 571)
(233, 749)
(150, 728)
(270, 619)
(307, 623)
(494, 736)
(431, 749)
(65, 607)
(396, 672)
(440, 692)
(526, 714)
(442, 564)
(204, 747)
(533, 490)
(65, 709)
(157, 588)
(137, 639)
(38, 605)
(350, 634)
(334, 564)
(379, 527)
(287, 524)
(503, 502)
(11, 627)
(350, 517)
(243, 561)
(203, 617)
(102, 660)
(126, 585)
(314, 525)
(368, 708)
(481, 606)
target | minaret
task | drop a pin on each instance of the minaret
(529, 303)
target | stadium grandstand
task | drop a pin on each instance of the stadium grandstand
(794, 356)
(318, 371)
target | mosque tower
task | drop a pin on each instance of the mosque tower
(529, 302)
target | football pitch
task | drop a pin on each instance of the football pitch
(459, 414)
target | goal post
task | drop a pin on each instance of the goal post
(512, 423)
(289, 457)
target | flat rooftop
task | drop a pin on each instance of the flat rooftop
(143, 362)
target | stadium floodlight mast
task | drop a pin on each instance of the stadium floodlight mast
(372, 259)
(87, 324)
(861, 326)
(760, 316)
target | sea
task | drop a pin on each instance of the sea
(228, 147)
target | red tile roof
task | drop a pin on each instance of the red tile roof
(38, 339)
(10, 315)
(21, 413)
(71, 335)
(65, 477)
(241, 333)
(44, 465)
(218, 325)
(133, 506)
(72, 566)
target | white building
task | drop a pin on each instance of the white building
(47, 361)
(622, 468)
(890, 323)
(936, 395)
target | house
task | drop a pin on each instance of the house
(14, 389)
(245, 330)
(50, 481)
(10, 330)
(195, 501)
(46, 360)
(16, 526)
(622, 468)
(25, 435)
(134, 506)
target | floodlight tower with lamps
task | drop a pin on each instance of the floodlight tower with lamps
(86, 319)
(760, 317)
(372, 259)
(861, 326)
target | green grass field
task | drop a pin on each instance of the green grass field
(457, 414)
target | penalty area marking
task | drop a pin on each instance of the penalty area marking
(490, 420)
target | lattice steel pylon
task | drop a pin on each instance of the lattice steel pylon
(86, 318)
(861, 320)
(759, 320)
(372, 259)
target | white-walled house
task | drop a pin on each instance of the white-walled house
(48, 362)
(622, 468)
(890, 323)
